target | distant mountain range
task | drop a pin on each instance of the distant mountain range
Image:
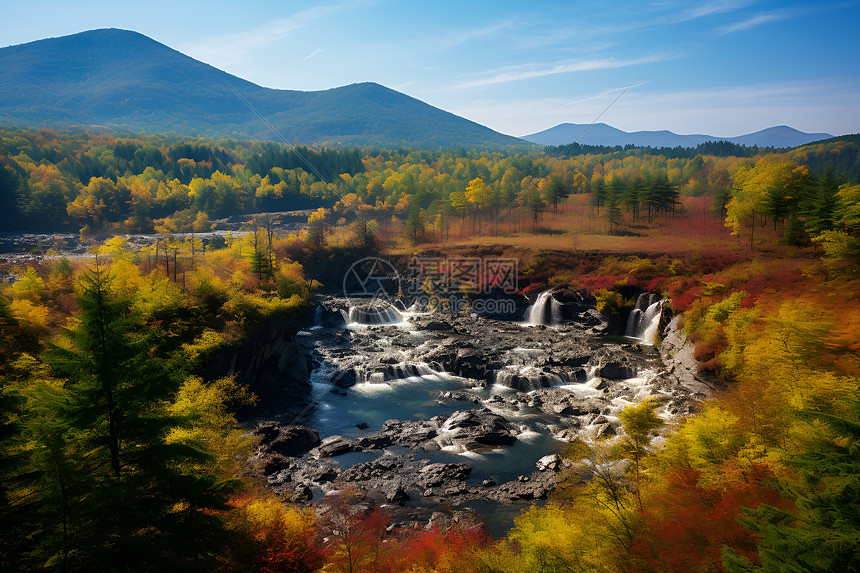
(602, 134)
(123, 80)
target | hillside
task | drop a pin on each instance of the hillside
(603, 134)
(124, 80)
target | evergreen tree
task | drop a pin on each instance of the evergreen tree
(598, 193)
(820, 202)
(824, 534)
(99, 444)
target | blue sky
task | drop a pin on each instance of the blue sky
(721, 67)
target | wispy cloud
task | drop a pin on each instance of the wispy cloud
(756, 20)
(761, 18)
(314, 53)
(666, 15)
(457, 38)
(604, 94)
(533, 70)
(229, 49)
(709, 9)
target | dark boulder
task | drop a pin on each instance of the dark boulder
(617, 371)
(433, 475)
(345, 378)
(470, 363)
(289, 441)
(302, 493)
(335, 446)
(481, 426)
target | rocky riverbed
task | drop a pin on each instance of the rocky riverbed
(434, 410)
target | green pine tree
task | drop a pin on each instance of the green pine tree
(824, 534)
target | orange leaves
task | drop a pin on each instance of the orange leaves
(441, 551)
(272, 537)
(687, 524)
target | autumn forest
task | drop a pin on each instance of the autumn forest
(127, 441)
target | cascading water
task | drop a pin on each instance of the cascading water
(644, 319)
(545, 310)
(376, 313)
(402, 371)
(528, 379)
(424, 392)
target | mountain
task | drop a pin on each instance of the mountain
(780, 136)
(602, 134)
(124, 80)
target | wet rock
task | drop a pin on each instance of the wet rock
(362, 426)
(593, 319)
(335, 446)
(488, 482)
(364, 471)
(567, 434)
(374, 442)
(279, 478)
(323, 475)
(604, 429)
(470, 363)
(601, 384)
(409, 433)
(433, 475)
(601, 426)
(569, 359)
(677, 354)
(617, 371)
(551, 462)
(437, 326)
(331, 318)
(430, 446)
(396, 494)
(286, 440)
(345, 378)
(302, 493)
(481, 426)
(572, 409)
(459, 396)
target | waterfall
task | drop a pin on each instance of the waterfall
(400, 371)
(651, 322)
(633, 322)
(545, 310)
(530, 378)
(644, 319)
(318, 316)
(376, 313)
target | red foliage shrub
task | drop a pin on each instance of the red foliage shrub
(271, 538)
(443, 550)
(683, 293)
(593, 284)
(533, 288)
(688, 524)
(654, 284)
